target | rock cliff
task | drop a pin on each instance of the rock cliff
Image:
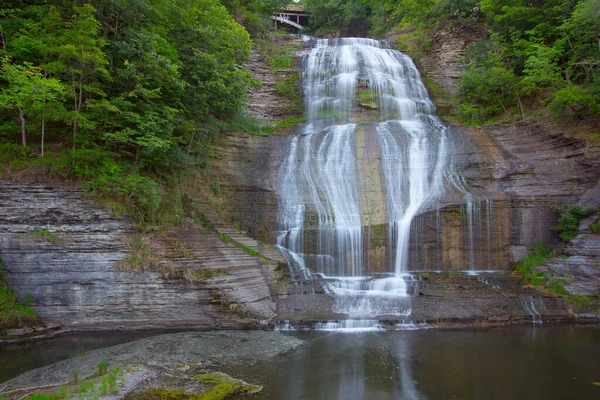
(228, 274)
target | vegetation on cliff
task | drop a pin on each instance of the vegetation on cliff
(120, 95)
(12, 313)
(533, 55)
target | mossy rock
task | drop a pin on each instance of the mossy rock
(224, 386)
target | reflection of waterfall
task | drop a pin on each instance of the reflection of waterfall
(371, 154)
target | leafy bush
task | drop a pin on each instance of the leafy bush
(141, 193)
(10, 151)
(281, 62)
(12, 313)
(569, 218)
(572, 103)
(557, 286)
(538, 254)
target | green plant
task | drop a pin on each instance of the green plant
(557, 286)
(19, 164)
(140, 257)
(568, 220)
(217, 188)
(224, 237)
(101, 367)
(538, 254)
(86, 386)
(12, 313)
(45, 234)
(27, 299)
(75, 376)
(281, 62)
(181, 250)
(572, 103)
(198, 275)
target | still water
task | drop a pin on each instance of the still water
(522, 362)
(18, 358)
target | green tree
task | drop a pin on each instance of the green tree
(80, 63)
(29, 93)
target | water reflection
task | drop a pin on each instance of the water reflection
(539, 362)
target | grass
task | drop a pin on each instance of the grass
(568, 220)
(181, 250)
(140, 257)
(281, 62)
(227, 239)
(14, 314)
(538, 254)
(44, 234)
(106, 384)
(101, 367)
(199, 275)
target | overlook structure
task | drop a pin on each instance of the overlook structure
(292, 15)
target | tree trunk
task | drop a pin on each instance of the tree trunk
(43, 131)
(22, 119)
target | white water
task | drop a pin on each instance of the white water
(321, 218)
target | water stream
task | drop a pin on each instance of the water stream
(372, 154)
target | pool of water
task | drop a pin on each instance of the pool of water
(522, 362)
(519, 362)
(18, 358)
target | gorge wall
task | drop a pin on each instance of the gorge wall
(516, 173)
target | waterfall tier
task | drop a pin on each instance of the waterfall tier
(371, 157)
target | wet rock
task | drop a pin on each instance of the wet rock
(198, 350)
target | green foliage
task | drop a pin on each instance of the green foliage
(44, 234)
(127, 92)
(281, 62)
(12, 313)
(217, 188)
(537, 255)
(572, 103)
(558, 286)
(549, 49)
(140, 257)
(595, 227)
(101, 367)
(339, 17)
(225, 238)
(568, 220)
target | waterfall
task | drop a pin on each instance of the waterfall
(372, 153)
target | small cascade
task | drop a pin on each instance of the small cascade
(284, 326)
(534, 306)
(350, 325)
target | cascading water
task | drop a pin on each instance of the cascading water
(371, 154)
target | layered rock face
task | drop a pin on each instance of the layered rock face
(64, 250)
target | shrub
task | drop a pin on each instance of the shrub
(557, 286)
(141, 193)
(13, 313)
(281, 62)
(569, 218)
(538, 254)
(571, 104)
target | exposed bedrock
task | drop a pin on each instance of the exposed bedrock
(515, 174)
(64, 249)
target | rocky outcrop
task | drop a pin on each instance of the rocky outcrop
(164, 361)
(65, 250)
(265, 101)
